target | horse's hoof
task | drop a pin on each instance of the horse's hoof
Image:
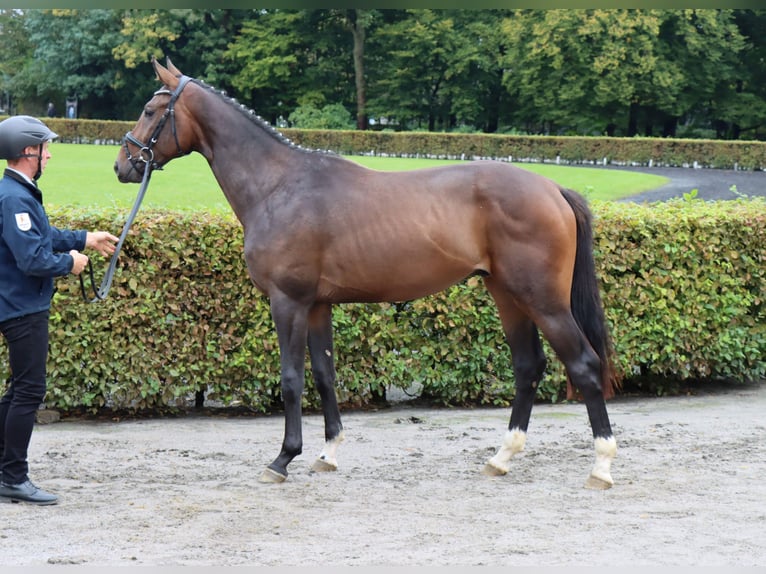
(270, 476)
(491, 470)
(321, 465)
(596, 483)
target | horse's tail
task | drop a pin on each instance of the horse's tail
(587, 308)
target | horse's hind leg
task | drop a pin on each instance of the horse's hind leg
(584, 369)
(323, 371)
(528, 367)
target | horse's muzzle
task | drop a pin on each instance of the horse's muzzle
(126, 173)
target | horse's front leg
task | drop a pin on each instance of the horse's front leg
(290, 321)
(323, 371)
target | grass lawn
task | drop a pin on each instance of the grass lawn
(83, 175)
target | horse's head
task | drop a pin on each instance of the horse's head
(161, 133)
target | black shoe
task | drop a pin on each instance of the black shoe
(26, 492)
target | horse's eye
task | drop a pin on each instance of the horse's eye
(148, 113)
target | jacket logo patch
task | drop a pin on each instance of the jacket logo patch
(23, 221)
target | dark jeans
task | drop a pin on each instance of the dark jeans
(27, 339)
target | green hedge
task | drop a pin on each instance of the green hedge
(724, 154)
(563, 149)
(684, 286)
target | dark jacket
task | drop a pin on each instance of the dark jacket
(32, 251)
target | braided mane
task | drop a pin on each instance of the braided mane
(258, 120)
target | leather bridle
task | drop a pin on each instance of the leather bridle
(145, 154)
(145, 157)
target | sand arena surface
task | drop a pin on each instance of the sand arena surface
(689, 489)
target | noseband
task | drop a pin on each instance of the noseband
(145, 154)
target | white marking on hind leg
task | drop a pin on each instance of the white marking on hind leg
(606, 450)
(513, 443)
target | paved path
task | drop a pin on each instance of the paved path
(712, 184)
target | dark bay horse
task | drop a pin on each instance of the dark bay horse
(319, 230)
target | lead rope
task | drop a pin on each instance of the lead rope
(101, 293)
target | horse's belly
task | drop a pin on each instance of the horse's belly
(403, 254)
(401, 279)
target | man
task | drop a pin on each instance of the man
(32, 253)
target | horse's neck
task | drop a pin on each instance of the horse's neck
(246, 160)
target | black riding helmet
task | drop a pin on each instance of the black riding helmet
(19, 132)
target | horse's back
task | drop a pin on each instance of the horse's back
(402, 235)
(469, 184)
(475, 203)
(368, 235)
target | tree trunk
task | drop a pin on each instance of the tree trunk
(494, 102)
(670, 126)
(358, 31)
(633, 120)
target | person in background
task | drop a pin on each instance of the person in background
(51, 110)
(32, 253)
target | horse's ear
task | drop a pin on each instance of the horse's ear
(173, 70)
(164, 75)
(156, 65)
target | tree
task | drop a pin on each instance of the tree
(623, 65)
(73, 57)
(580, 68)
(416, 60)
(358, 21)
(574, 69)
(616, 71)
(195, 40)
(477, 96)
(17, 50)
(739, 108)
(702, 47)
(290, 58)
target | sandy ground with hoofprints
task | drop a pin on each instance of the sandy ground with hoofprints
(689, 475)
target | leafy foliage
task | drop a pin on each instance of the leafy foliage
(684, 285)
(620, 72)
(330, 117)
(683, 282)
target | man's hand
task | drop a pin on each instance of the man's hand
(102, 241)
(80, 261)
